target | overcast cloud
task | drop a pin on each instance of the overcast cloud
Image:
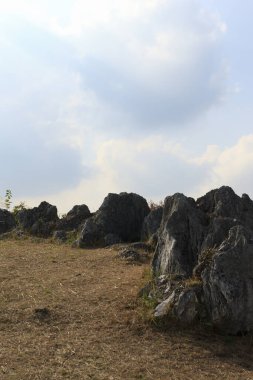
(141, 96)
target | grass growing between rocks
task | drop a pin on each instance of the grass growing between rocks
(73, 314)
(192, 282)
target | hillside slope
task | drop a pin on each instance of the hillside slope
(71, 314)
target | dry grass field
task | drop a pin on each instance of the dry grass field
(73, 314)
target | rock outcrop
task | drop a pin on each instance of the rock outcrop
(207, 245)
(7, 221)
(120, 215)
(74, 218)
(152, 223)
(39, 221)
(180, 236)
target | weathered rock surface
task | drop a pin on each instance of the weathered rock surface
(39, 221)
(189, 228)
(120, 214)
(91, 234)
(180, 236)
(186, 308)
(209, 241)
(228, 282)
(151, 223)
(7, 221)
(165, 306)
(74, 218)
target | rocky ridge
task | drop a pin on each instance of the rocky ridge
(204, 257)
(119, 219)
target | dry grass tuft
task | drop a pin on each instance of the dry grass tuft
(71, 314)
(192, 282)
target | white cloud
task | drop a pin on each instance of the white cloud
(90, 84)
(148, 63)
(151, 167)
(155, 167)
(159, 67)
(234, 167)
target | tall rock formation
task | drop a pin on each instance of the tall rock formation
(209, 242)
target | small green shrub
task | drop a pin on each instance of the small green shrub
(7, 199)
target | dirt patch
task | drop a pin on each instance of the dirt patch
(72, 314)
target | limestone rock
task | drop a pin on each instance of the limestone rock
(187, 306)
(210, 240)
(39, 221)
(164, 307)
(120, 214)
(228, 283)
(74, 218)
(151, 223)
(188, 228)
(91, 234)
(180, 236)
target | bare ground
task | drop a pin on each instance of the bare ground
(72, 314)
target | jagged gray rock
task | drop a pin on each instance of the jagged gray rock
(186, 308)
(180, 236)
(151, 223)
(163, 308)
(120, 214)
(222, 202)
(189, 228)
(74, 218)
(212, 240)
(228, 282)
(39, 221)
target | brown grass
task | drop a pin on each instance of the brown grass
(92, 327)
(192, 282)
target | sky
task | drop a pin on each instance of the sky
(146, 96)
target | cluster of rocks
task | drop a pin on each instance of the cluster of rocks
(119, 219)
(39, 221)
(43, 221)
(74, 218)
(203, 262)
(203, 257)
